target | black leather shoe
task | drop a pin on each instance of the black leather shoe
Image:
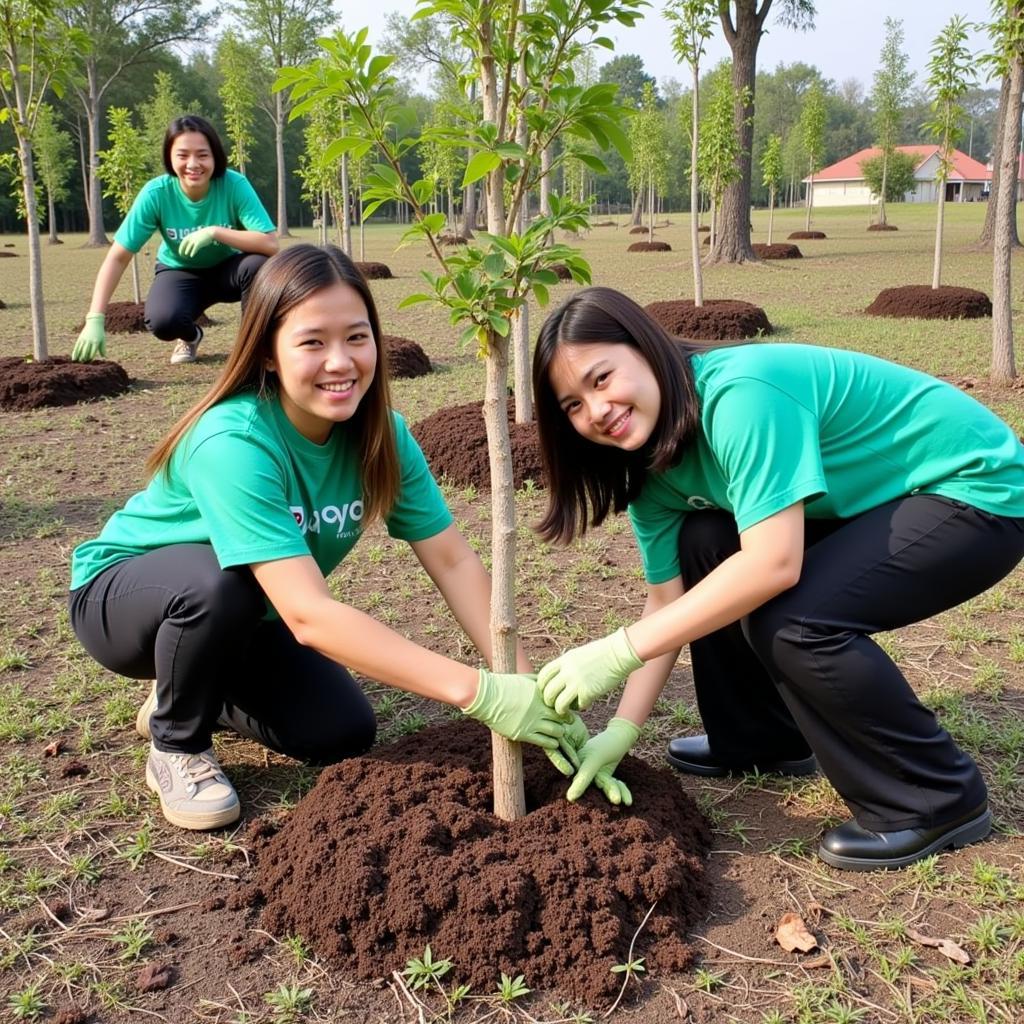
(692, 754)
(852, 848)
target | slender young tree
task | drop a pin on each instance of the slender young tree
(719, 144)
(648, 170)
(950, 74)
(54, 155)
(988, 230)
(235, 63)
(812, 134)
(771, 175)
(692, 22)
(892, 83)
(162, 107)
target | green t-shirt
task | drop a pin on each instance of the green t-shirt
(841, 431)
(245, 481)
(231, 202)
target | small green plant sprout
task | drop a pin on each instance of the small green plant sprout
(134, 939)
(708, 981)
(511, 988)
(140, 847)
(421, 971)
(632, 967)
(296, 945)
(27, 1004)
(289, 1002)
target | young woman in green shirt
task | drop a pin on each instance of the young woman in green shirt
(213, 579)
(788, 501)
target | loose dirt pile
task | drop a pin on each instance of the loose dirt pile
(777, 251)
(405, 357)
(9, 255)
(882, 227)
(716, 320)
(454, 440)
(639, 229)
(650, 247)
(374, 271)
(130, 318)
(58, 381)
(947, 302)
(451, 238)
(807, 234)
(398, 849)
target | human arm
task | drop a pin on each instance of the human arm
(260, 242)
(91, 341)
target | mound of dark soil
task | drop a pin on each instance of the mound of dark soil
(451, 238)
(58, 381)
(2, 306)
(375, 271)
(649, 247)
(11, 255)
(405, 357)
(562, 271)
(808, 234)
(882, 227)
(947, 302)
(716, 320)
(54, 241)
(704, 227)
(777, 251)
(454, 441)
(130, 318)
(604, 224)
(639, 229)
(398, 849)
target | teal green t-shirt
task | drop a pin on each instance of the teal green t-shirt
(245, 481)
(161, 205)
(840, 431)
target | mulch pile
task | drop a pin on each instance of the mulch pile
(2, 306)
(704, 227)
(807, 234)
(947, 302)
(882, 227)
(11, 255)
(454, 440)
(451, 238)
(716, 320)
(777, 251)
(374, 271)
(405, 357)
(397, 849)
(130, 318)
(650, 247)
(57, 381)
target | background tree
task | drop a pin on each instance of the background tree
(124, 168)
(35, 50)
(743, 23)
(284, 33)
(888, 97)
(719, 144)
(771, 175)
(896, 176)
(691, 22)
(237, 91)
(157, 113)
(320, 170)
(949, 73)
(812, 135)
(649, 166)
(54, 160)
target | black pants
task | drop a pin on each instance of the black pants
(174, 615)
(801, 673)
(178, 297)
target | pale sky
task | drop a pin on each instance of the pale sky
(844, 44)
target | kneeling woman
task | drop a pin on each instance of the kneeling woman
(213, 578)
(788, 502)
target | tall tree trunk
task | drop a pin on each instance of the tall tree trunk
(521, 324)
(810, 194)
(51, 218)
(282, 205)
(988, 230)
(885, 178)
(469, 193)
(346, 217)
(1004, 365)
(940, 217)
(698, 277)
(638, 209)
(84, 164)
(771, 211)
(40, 350)
(650, 210)
(97, 233)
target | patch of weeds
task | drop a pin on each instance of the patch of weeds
(27, 1004)
(795, 846)
(684, 716)
(707, 981)
(119, 711)
(890, 643)
(988, 678)
(12, 659)
(963, 633)
(988, 933)
(296, 946)
(84, 869)
(512, 989)
(134, 939)
(425, 970)
(409, 724)
(289, 1002)
(140, 847)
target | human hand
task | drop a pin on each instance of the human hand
(600, 757)
(578, 677)
(566, 758)
(510, 704)
(92, 341)
(190, 245)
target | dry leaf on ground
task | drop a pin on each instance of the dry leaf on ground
(947, 947)
(791, 933)
(53, 749)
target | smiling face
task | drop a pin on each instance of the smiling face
(325, 357)
(193, 163)
(608, 392)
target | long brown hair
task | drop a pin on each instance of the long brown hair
(282, 283)
(582, 476)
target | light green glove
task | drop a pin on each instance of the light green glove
(92, 342)
(567, 757)
(577, 678)
(511, 706)
(194, 241)
(600, 757)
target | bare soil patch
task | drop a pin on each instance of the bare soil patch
(704, 228)
(451, 238)
(398, 849)
(57, 381)
(454, 440)
(639, 229)
(807, 234)
(716, 320)
(947, 302)
(374, 271)
(777, 251)
(650, 247)
(130, 318)
(405, 357)
(882, 227)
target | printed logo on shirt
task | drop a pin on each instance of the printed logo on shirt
(695, 501)
(346, 517)
(177, 234)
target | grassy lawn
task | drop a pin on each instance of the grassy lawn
(94, 886)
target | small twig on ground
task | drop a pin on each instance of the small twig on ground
(743, 956)
(51, 915)
(157, 913)
(413, 1001)
(191, 867)
(629, 962)
(682, 1007)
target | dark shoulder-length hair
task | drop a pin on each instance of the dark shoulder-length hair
(285, 280)
(586, 480)
(195, 123)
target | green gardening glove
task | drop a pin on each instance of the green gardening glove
(600, 757)
(190, 245)
(577, 678)
(567, 757)
(92, 342)
(511, 706)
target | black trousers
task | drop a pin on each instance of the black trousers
(174, 615)
(801, 672)
(178, 297)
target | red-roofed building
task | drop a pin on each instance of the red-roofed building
(842, 184)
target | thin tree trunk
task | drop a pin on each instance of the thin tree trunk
(282, 205)
(521, 324)
(346, 217)
(810, 198)
(885, 178)
(362, 234)
(469, 193)
(937, 265)
(97, 233)
(771, 211)
(638, 208)
(698, 277)
(988, 230)
(650, 210)
(51, 216)
(40, 350)
(84, 167)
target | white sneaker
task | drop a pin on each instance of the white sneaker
(147, 709)
(194, 792)
(185, 351)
